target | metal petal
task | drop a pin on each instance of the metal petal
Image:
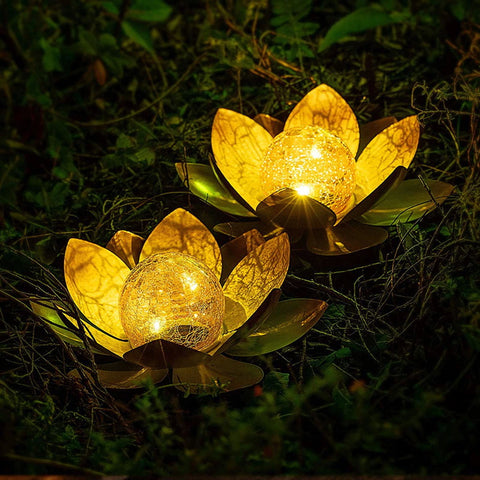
(271, 124)
(217, 347)
(235, 315)
(345, 238)
(124, 375)
(257, 274)
(290, 320)
(180, 231)
(295, 212)
(234, 250)
(202, 182)
(161, 354)
(223, 180)
(221, 373)
(388, 185)
(62, 324)
(325, 108)
(409, 201)
(393, 147)
(94, 277)
(127, 246)
(239, 145)
(235, 229)
(47, 311)
(254, 322)
(370, 130)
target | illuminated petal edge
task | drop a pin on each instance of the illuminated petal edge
(257, 274)
(100, 342)
(94, 277)
(389, 184)
(180, 231)
(393, 147)
(325, 108)
(202, 182)
(236, 249)
(50, 313)
(239, 145)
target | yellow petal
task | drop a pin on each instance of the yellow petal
(181, 232)
(239, 145)
(127, 246)
(55, 316)
(393, 147)
(94, 278)
(252, 324)
(389, 184)
(234, 250)
(235, 315)
(325, 108)
(256, 275)
(368, 131)
(202, 181)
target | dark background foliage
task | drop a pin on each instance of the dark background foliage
(99, 99)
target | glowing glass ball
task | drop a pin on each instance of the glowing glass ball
(175, 297)
(313, 162)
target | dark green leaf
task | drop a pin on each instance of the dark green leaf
(358, 21)
(51, 57)
(149, 11)
(139, 34)
(111, 7)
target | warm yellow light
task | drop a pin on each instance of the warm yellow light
(175, 297)
(304, 189)
(313, 162)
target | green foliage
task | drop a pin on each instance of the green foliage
(360, 20)
(291, 29)
(135, 20)
(103, 46)
(35, 426)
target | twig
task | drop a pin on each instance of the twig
(322, 288)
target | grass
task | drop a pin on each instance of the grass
(97, 106)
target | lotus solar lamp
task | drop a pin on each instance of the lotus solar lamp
(319, 176)
(177, 304)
